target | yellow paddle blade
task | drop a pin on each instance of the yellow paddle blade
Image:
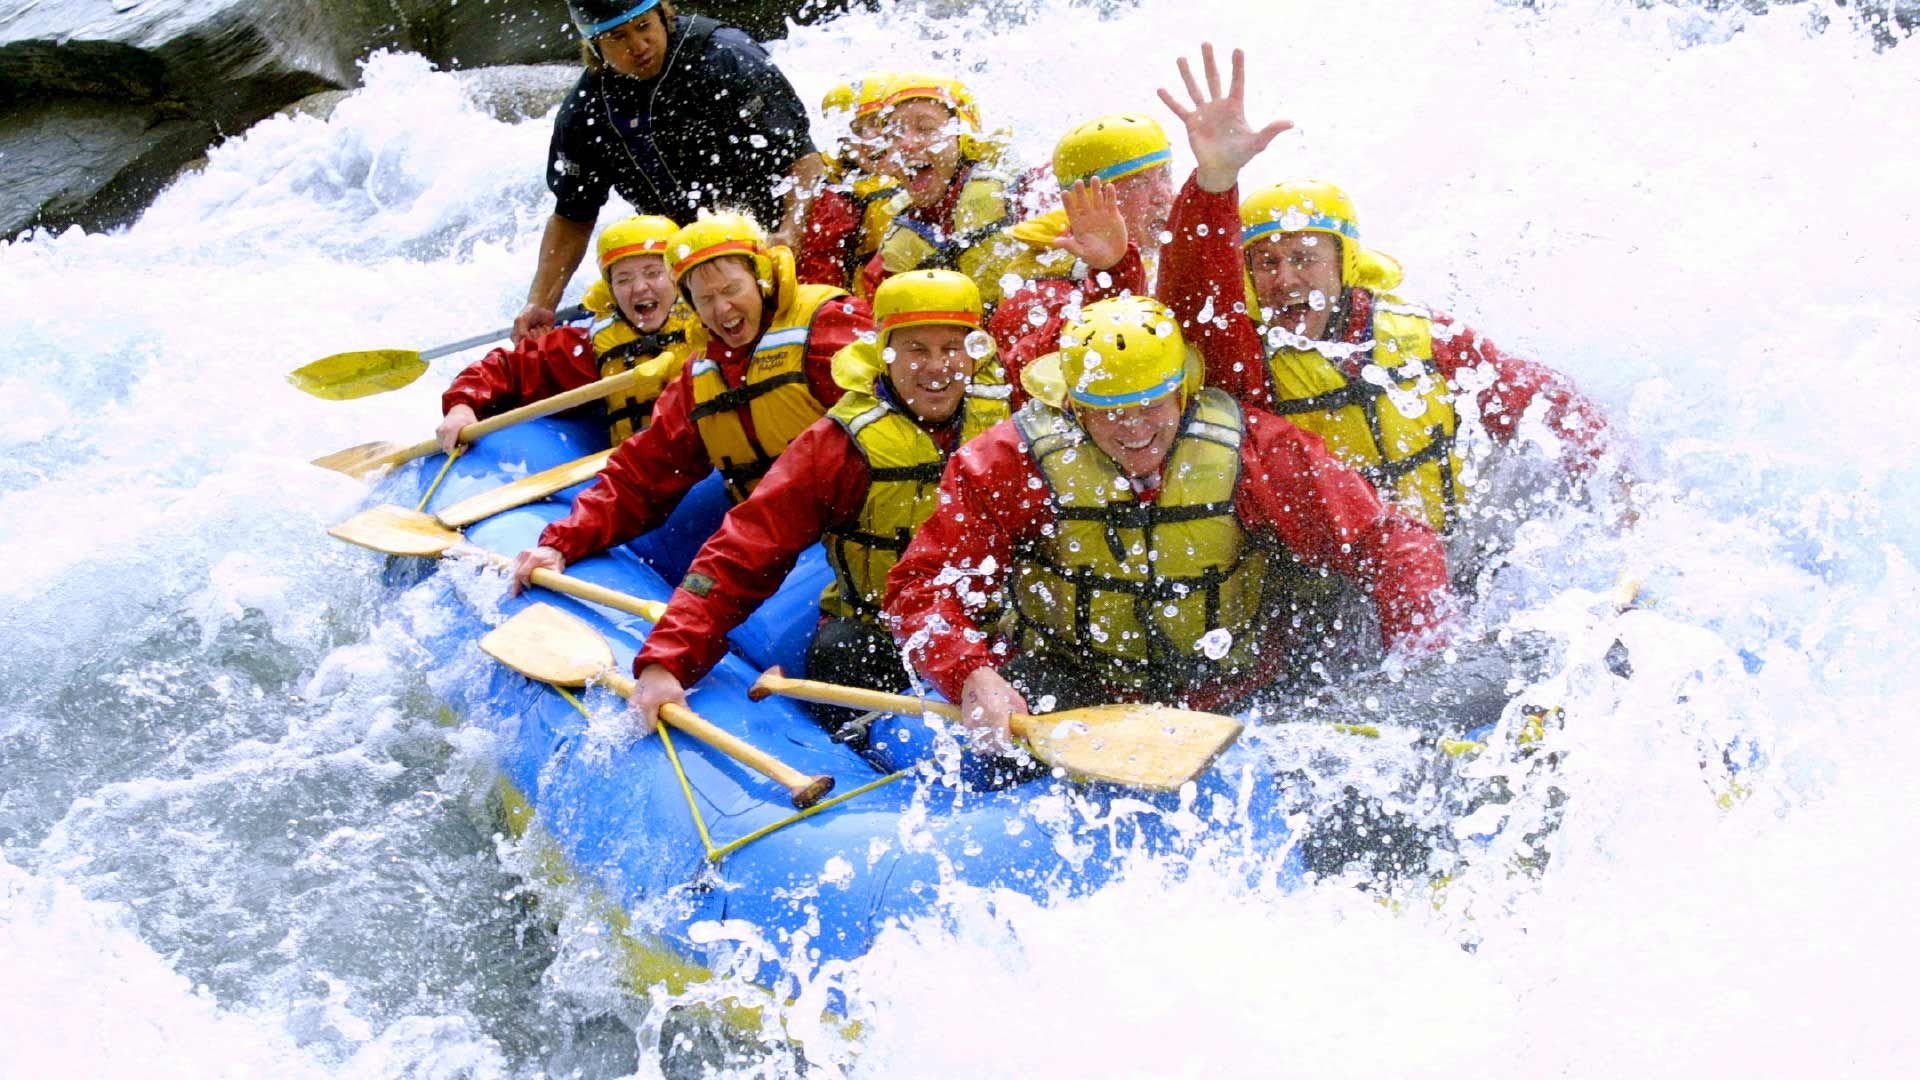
(550, 646)
(364, 460)
(396, 530)
(348, 375)
(524, 490)
(1148, 746)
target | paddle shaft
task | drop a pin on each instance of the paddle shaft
(806, 790)
(473, 432)
(490, 336)
(1023, 726)
(772, 682)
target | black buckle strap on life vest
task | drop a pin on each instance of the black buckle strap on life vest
(1355, 392)
(644, 347)
(948, 249)
(736, 397)
(739, 476)
(852, 262)
(635, 412)
(842, 572)
(926, 472)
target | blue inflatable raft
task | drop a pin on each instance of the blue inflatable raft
(717, 870)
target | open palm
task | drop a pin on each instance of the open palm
(1217, 129)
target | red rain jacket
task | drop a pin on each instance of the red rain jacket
(539, 367)
(818, 482)
(646, 477)
(1027, 324)
(993, 499)
(1203, 268)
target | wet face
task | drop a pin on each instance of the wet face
(866, 145)
(925, 151)
(643, 290)
(1146, 201)
(636, 48)
(1137, 439)
(726, 296)
(1297, 278)
(930, 367)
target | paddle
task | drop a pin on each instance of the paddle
(369, 458)
(551, 646)
(348, 375)
(396, 530)
(522, 491)
(1148, 746)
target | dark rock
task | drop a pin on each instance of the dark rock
(103, 101)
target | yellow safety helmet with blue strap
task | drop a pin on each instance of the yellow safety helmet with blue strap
(1110, 148)
(1120, 353)
(1318, 207)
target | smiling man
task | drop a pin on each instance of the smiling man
(1130, 536)
(636, 324)
(677, 113)
(765, 375)
(861, 480)
(1295, 315)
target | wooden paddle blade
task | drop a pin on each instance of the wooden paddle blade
(348, 375)
(550, 646)
(523, 491)
(364, 460)
(1148, 746)
(397, 530)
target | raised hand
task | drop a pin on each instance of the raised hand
(1216, 124)
(1096, 229)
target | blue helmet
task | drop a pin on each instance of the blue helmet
(596, 17)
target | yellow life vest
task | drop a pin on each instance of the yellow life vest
(774, 392)
(1398, 431)
(905, 466)
(965, 244)
(620, 346)
(873, 200)
(1025, 251)
(1133, 586)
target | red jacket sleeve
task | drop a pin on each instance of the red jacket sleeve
(642, 483)
(1329, 516)
(1202, 279)
(831, 237)
(819, 481)
(559, 360)
(1026, 325)
(1517, 385)
(955, 568)
(835, 326)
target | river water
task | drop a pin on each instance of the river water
(239, 837)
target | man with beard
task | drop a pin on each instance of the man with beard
(1294, 315)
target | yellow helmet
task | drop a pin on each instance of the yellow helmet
(715, 235)
(840, 99)
(926, 298)
(890, 89)
(1317, 206)
(1125, 352)
(642, 234)
(1110, 147)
